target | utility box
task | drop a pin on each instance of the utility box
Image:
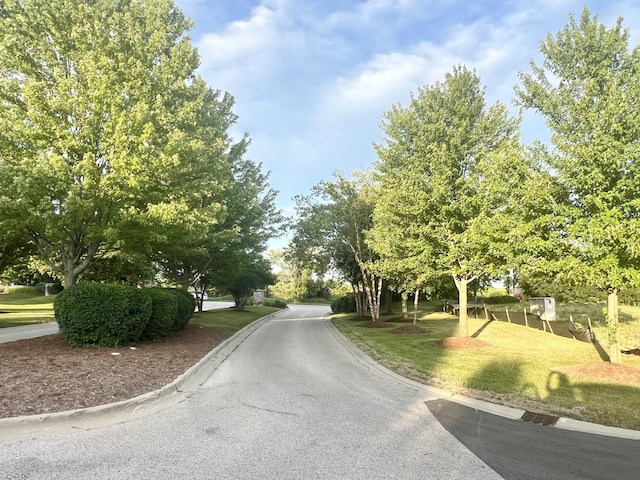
(258, 297)
(545, 307)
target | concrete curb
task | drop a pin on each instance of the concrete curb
(481, 405)
(30, 426)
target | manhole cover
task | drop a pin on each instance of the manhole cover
(539, 418)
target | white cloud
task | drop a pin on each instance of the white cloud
(313, 79)
(243, 41)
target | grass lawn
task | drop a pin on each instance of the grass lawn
(521, 367)
(17, 310)
(229, 319)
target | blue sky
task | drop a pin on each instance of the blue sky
(313, 78)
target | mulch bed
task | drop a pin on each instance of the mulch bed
(459, 342)
(402, 320)
(43, 375)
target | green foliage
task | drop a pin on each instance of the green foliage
(630, 296)
(275, 302)
(331, 230)
(164, 314)
(247, 275)
(102, 314)
(587, 89)
(344, 304)
(22, 291)
(450, 173)
(562, 291)
(186, 307)
(108, 139)
(499, 299)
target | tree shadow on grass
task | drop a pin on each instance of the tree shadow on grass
(506, 373)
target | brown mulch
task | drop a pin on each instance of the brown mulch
(371, 324)
(603, 371)
(459, 342)
(409, 330)
(44, 375)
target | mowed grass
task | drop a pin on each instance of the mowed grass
(521, 367)
(18, 310)
(231, 320)
(582, 313)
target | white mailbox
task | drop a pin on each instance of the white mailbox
(545, 307)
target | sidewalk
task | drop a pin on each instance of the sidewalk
(11, 334)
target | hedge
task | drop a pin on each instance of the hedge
(186, 307)
(164, 314)
(102, 314)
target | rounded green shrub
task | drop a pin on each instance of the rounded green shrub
(186, 307)
(102, 314)
(275, 302)
(344, 304)
(164, 311)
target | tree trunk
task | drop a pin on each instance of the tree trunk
(415, 306)
(388, 301)
(405, 308)
(461, 284)
(75, 262)
(612, 326)
(357, 293)
(70, 278)
(372, 295)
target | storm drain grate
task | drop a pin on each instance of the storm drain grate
(539, 418)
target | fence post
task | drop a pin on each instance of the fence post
(506, 309)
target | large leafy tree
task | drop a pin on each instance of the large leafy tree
(98, 113)
(587, 89)
(447, 169)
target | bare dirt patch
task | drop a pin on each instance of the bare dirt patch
(459, 342)
(44, 375)
(603, 371)
(409, 330)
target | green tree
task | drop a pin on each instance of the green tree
(331, 227)
(248, 274)
(587, 89)
(293, 277)
(447, 169)
(97, 123)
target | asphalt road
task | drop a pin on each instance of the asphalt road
(295, 401)
(291, 402)
(524, 451)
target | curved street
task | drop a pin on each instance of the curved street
(292, 402)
